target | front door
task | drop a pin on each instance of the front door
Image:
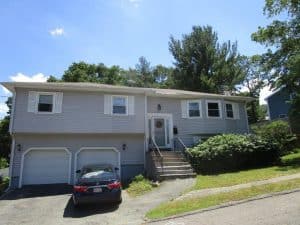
(160, 127)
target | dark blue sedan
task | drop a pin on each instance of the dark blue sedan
(97, 184)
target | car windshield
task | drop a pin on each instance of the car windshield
(104, 172)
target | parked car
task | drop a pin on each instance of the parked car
(97, 184)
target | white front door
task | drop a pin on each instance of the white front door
(160, 128)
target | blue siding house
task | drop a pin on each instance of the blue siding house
(279, 104)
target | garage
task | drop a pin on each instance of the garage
(45, 166)
(97, 155)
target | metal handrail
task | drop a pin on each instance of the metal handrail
(184, 146)
(156, 146)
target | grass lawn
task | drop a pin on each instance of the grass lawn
(139, 186)
(181, 206)
(290, 165)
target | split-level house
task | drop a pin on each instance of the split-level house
(57, 128)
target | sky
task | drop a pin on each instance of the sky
(42, 38)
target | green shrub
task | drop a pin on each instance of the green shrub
(4, 184)
(279, 133)
(139, 186)
(229, 152)
(3, 163)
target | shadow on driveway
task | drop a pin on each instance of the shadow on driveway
(31, 191)
(88, 210)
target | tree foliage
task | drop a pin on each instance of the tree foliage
(204, 64)
(5, 138)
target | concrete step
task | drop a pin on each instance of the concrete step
(183, 167)
(168, 159)
(176, 176)
(173, 163)
(186, 171)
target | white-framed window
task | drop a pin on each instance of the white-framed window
(119, 105)
(45, 103)
(229, 110)
(213, 109)
(194, 109)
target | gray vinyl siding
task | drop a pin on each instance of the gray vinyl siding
(82, 112)
(279, 104)
(188, 128)
(132, 158)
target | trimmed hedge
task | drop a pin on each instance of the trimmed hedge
(230, 152)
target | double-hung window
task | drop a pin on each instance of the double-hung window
(194, 109)
(213, 109)
(119, 105)
(45, 103)
(229, 110)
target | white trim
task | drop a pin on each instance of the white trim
(95, 148)
(44, 148)
(38, 94)
(146, 130)
(112, 105)
(199, 107)
(164, 116)
(220, 109)
(11, 160)
(245, 108)
(12, 117)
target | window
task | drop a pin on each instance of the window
(119, 105)
(229, 110)
(281, 116)
(45, 103)
(194, 109)
(213, 109)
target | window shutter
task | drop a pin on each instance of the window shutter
(107, 104)
(58, 98)
(32, 101)
(236, 113)
(130, 105)
(184, 108)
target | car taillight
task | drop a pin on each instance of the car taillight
(114, 185)
(80, 188)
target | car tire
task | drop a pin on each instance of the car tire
(75, 202)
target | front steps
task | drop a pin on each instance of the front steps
(171, 166)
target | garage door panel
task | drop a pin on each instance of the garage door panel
(46, 167)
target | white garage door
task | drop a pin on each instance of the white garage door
(97, 156)
(49, 166)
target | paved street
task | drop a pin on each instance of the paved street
(278, 210)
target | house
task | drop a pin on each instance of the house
(59, 127)
(279, 104)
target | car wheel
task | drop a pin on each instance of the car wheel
(75, 202)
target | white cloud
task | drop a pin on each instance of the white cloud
(135, 3)
(20, 77)
(57, 32)
(265, 92)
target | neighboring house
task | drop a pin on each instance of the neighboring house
(59, 127)
(279, 104)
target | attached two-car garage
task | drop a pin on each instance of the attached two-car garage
(53, 165)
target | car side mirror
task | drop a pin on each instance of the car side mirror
(78, 171)
(116, 168)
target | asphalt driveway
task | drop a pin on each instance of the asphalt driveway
(52, 205)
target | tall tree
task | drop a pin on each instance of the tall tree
(282, 59)
(204, 64)
(163, 76)
(282, 37)
(5, 138)
(254, 81)
(144, 73)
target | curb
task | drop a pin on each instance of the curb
(225, 205)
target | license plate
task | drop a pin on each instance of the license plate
(97, 190)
